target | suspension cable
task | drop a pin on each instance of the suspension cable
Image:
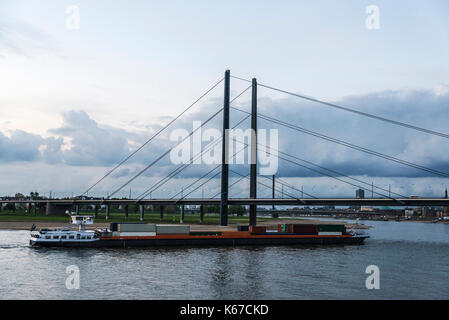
(349, 145)
(180, 169)
(199, 186)
(369, 115)
(150, 139)
(314, 170)
(276, 189)
(330, 170)
(164, 154)
(232, 184)
(206, 175)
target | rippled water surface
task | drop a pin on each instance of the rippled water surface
(413, 259)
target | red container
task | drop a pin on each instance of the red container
(304, 228)
(257, 229)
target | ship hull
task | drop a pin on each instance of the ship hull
(198, 242)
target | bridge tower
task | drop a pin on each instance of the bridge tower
(253, 168)
(224, 153)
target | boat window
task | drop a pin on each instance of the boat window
(83, 237)
(71, 237)
(55, 237)
(63, 237)
(47, 237)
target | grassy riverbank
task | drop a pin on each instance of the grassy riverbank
(24, 221)
(150, 217)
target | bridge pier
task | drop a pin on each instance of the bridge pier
(126, 212)
(108, 211)
(182, 214)
(201, 213)
(161, 213)
(142, 212)
(55, 209)
(77, 209)
(225, 153)
(253, 168)
(34, 208)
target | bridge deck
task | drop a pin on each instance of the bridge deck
(244, 201)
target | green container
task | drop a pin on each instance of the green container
(331, 228)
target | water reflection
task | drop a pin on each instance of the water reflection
(413, 259)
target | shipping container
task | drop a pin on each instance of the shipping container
(283, 227)
(329, 233)
(172, 229)
(137, 234)
(136, 227)
(331, 228)
(258, 229)
(303, 228)
(242, 228)
(113, 226)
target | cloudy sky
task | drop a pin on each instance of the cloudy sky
(78, 95)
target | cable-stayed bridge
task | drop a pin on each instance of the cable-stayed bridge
(384, 197)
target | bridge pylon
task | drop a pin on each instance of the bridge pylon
(224, 152)
(253, 165)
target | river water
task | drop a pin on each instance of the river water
(413, 260)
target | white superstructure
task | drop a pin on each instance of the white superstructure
(66, 234)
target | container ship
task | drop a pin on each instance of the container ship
(125, 235)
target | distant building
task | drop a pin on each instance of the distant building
(409, 213)
(360, 194)
(445, 211)
(427, 212)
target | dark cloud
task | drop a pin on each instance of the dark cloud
(421, 108)
(91, 144)
(20, 146)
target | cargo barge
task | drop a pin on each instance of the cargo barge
(125, 235)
